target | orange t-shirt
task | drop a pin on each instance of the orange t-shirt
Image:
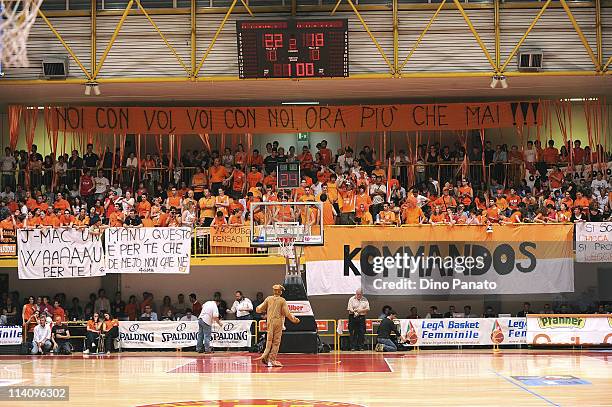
(147, 222)
(51, 220)
(269, 180)
(253, 178)
(7, 224)
(441, 217)
(143, 208)
(198, 182)
(328, 214)
(65, 220)
(551, 155)
(61, 204)
(31, 203)
(363, 199)
(493, 213)
(218, 173)
(115, 219)
(581, 202)
(348, 201)
(238, 180)
(412, 215)
(513, 202)
(258, 161)
(174, 201)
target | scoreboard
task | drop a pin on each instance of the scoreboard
(288, 175)
(289, 48)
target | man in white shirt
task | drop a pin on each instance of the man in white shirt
(598, 182)
(242, 307)
(358, 306)
(148, 314)
(8, 164)
(42, 338)
(208, 316)
(102, 303)
(102, 185)
(188, 316)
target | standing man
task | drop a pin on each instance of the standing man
(208, 316)
(276, 310)
(196, 306)
(42, 337)
(242, 307)
(358, 307)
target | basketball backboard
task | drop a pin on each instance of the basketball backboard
(269, 220)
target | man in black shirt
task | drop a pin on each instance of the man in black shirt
(384, 341)
(132, 219)
(60, 335)
(90, 159)
(270, 162)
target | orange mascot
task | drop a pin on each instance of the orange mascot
(276, 310)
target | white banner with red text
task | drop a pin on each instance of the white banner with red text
(148, 250)
(52, 253)
(594, 242)
(569, 329)
(182, 334)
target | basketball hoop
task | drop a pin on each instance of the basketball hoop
(286, 246)
(286, 235)
(16, 20)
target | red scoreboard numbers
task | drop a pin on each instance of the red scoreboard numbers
(293, 48)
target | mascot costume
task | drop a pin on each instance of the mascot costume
(276, 310)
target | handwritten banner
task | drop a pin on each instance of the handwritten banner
(594, 242)
(59, 253)
(148, 250)
(283, 119)
(230, 236)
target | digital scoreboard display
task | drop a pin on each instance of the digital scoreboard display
(288, 175)
(292, 48)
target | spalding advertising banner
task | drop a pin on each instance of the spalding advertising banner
(569, 329)
(464, 331)
(442, 260)
(181, 334)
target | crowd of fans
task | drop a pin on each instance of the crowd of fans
(203, 189)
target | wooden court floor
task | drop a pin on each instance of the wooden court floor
(424, 378)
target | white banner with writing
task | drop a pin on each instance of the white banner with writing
(59, 253)
(569, 329)
(10, 335)
(148, 250)
(594, 242)
(464, 331)
(182, 334)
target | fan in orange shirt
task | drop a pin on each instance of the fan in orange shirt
(254, 177)
(437, 217)
(174, 199)
(146, 220)
(551, 154)
(581, 201)
(66, 218)
(219, 220)
(329, 213)
(256, 159)
(116, 219)
(143, 207)
(7, 223)
(218, 174)
(238, 182)
(411, 213)
(50, 220)
(236, 218)
(61, 203)
(386, 216)
(270, 180)
(493, 212)
(199, 181)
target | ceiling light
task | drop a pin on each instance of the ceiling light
(89, 86)
(499, 80)
(503, 81)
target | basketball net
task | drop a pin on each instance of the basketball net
(286, 236)
(16, 20)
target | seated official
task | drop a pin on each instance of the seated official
(94, 329)
(384, 343)
(60, 335)
(41, 342)
(148, 314)
(110, 331)
(188, 316)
